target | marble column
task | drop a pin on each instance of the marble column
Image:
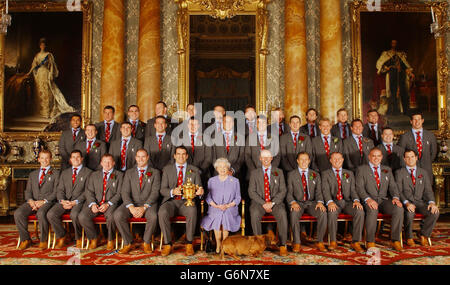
(331, 68)
(296, 79)
(149, 62)
(113, 57)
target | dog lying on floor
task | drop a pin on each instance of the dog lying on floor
(245, 245)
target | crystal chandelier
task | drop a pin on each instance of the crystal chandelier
(5, 20)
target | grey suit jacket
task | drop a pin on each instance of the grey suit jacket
(202, 155)
(366, 184)
(295, 187)
(336, 132)
(330, 185)
(421, 192)
(429, 148)
(169, 179)
(140, 131)
(115, 132)
(395, 160)
(235, 156)
(289, 153)
(367, 133)
(304, 129)
(150, 127)
(352, 156)
(67, 144)
(132, 193)
(94, 190)
(252, 153)
(159, 158)
(92, 160)
(67, 191)
(133, 146)
(277, 186)
(321, 161)
(275, 127)
(48, 188)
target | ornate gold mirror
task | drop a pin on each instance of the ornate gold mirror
(253, 12)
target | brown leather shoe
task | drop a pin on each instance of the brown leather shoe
(25, 244)
(110, 245)
(410, 242)
(189, 249)
(60, 243)
(370, 244)
(78, 243)
(333, 245)
(320, 246)
(424, 241)
(357, 247)
(93, 244)
(296, 248)
(166, 250)
(43, 245)
(397, 246)
(126, 249)
(283, 250)
(147, 248)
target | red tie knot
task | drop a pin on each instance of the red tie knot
(337, 171)
(181, 167)
(75, 170)
(125, 140)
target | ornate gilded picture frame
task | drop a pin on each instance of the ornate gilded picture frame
(398, 65)
(47, 69)
(222, 10)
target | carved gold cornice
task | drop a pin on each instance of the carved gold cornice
(222, 9)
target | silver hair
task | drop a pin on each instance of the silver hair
(222, 160)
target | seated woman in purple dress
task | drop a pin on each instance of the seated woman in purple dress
(223, 198)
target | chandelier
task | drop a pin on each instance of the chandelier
(5, 20)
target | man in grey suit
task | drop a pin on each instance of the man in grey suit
(160, 111)
(372, 129)
(342, 128)
(102, 197)
(69, 139)
(173, 178)
(376, 186)
(40, 194)
(417, 195)
(108, 130)
(392, 153)
(278, 123)
(124, 149)
(137, 126)
(70, 199)
(159, 146)
(250, 119)
(356, 147)
(140, 192)
(259, 141)
(91, 149)
(267, 191)
(292, 143)
(311, 127)
(338, 189)
(422, 141)
(305, 194)
(323, 146)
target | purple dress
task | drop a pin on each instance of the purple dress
(223, 192)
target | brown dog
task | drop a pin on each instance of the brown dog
(245, 245)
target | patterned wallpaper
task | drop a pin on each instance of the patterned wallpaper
(131, 48)
(97, 33)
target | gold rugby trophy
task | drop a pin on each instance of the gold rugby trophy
(189, 189)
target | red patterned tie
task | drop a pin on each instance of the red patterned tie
(312, 133)
(280, 129)
(266, 186)
(141, 177)
(419, 144)
(74, 175)
(160, 142)
(219, 128)
(105, 180)
(41, 179)
(261, 141)
(133, 128)
(89, 146)
(193, 143)
(250, 128)
(327, 146)
(228, 142)
(413, 178)
(123, 153)
(373, 133)
(389, 150)
(179, 181)
(344, 131)
(305, 187)
(360, 145)
(108, 131)
(377, 177)
(74, 136)
(295, 140)
(339, 193)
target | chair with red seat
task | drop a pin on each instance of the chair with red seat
(33, 218)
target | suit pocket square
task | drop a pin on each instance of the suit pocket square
(50, 178)
(114, 184)
(420, 181)
(148, 180)
(81, 178)
(428, 142)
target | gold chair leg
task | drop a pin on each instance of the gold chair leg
(49, 239)
(429, 241)
(82, 238)
(121, 245)
(54, 240)
(18, 243)
(401, 238)
(36, 232)
(378, 229)
(117, 239)
(87, 243)
(153, 239)
(161, 242)
(201, 240)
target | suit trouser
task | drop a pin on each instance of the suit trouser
(385, 207)
(358, 219)
(310, 208)
(87, 223)
(427, 225)
(54, 218)
(279, 213)
(21, 220)
(121, 216)
(170, 209)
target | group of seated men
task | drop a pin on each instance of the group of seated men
(134, 169)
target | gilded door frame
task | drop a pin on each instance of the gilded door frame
(226, 10)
